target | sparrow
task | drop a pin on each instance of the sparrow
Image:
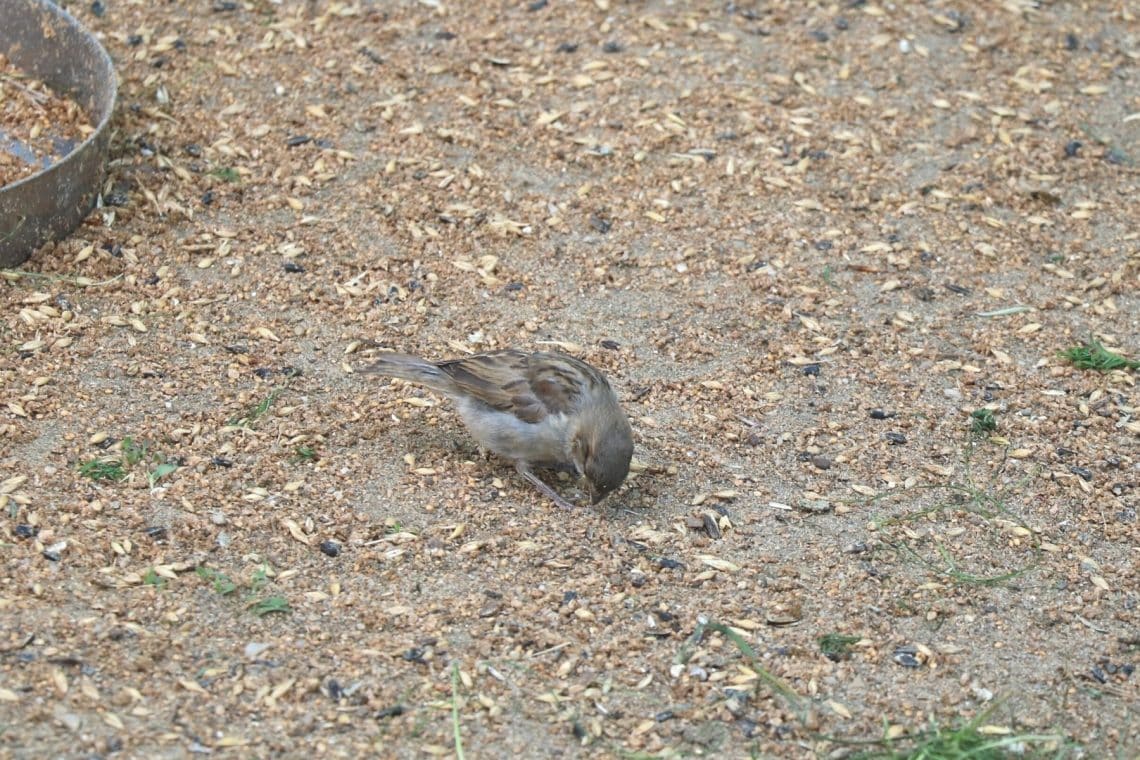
(539, 410)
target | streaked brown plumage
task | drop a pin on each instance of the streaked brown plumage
(540, 410)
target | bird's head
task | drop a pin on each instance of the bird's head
(602, 448)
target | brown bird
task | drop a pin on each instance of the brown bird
(540, 410)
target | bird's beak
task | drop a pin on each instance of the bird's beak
(596, 496)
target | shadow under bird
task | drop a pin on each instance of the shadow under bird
(540, 410)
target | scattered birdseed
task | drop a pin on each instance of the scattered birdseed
(769, 252)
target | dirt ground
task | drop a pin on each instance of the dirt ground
(806, 241)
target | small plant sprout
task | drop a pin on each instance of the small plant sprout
(1093, 355)
(982, 421)
(255, 412)
(107, 470)
(160, 472)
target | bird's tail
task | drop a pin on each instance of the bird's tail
(414, 370)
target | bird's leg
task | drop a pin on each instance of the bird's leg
(524, 470)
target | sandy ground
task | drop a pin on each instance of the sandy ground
(804, 240)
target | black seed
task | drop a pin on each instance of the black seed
(710, 526)
(293, 267)
(569, 596)
(749, 728)
(98, 8)
(263, 372)
(811, 369)
(663, 716)
(819, 35)
(1071, 148)
(842, 24)
(445, 35)
(134, 40)
(295, 140)
(156, 532)
(601, 225)
(333, 689)
(391, 712)
(537, 5)
(823, 245)
(51, 556)
(331, 548)
(665, 563)
(906, 658)
(225, 6)
(291, 372)
(822, 461)
(514, 287)
(578, 731)
(895, 439)
(612, 47)
(881, 414)
(415, 654)
(371, 55)
(222, 462)
(23, 530)
(1084, 473)
(611, 345)
(959, 289)
(567, 47)
(1071, 41)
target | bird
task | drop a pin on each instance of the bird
(540, 410)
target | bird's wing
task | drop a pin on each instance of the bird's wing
(529, 386)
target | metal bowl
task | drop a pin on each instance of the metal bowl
(47, 43)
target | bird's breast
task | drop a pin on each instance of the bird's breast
(542, 443)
